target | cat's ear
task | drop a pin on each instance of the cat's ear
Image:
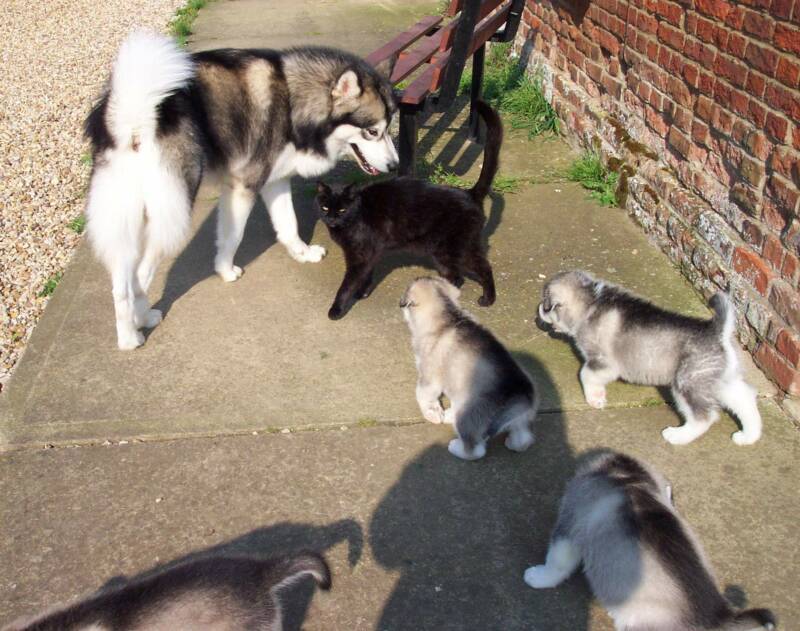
(322, 188)
(347, 191)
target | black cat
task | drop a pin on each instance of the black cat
(410, 214)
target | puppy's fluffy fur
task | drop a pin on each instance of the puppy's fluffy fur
(215, 594)
(640, 558)
(488, 391)
(622, 336)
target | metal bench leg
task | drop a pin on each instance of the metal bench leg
(476, 90)
(408, 141)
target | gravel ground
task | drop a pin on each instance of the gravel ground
(55, 57)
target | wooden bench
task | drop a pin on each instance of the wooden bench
(444, 50)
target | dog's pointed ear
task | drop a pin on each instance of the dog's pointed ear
(347, 86)
(449, 290)
(386, 67)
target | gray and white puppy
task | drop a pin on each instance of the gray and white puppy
(489, 392)
(212, 594)
(622, 336)
(641, 559)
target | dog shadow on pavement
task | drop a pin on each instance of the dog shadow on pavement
(461, 535)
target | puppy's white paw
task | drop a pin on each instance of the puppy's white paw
(740, 438)
(152, 318)
(129, 341)
(596, 397)
(307, 253)
(539, 577)
(457, 448)
(677, 436)
(230, 274)
(519, 441)
(433, 414)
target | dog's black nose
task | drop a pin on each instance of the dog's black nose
(393, 165)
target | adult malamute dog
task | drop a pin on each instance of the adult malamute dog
(640, 558)
(256, 117)
(622, 336)
(215, 594)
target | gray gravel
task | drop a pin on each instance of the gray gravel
(55, 57)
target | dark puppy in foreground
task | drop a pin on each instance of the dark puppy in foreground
(214, 594)
(622, 336)
(641, 559)
(489, 392)
(411, 214)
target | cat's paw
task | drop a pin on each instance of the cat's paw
(486, 301)
(230, 274)
(336, 312)
(540, 577)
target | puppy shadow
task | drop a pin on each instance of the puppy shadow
(196, 262)
(278, 540)
(461, 534)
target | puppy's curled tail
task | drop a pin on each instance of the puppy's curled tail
(293, 568)
(723, 320)
(752, 620)
(491, 151)
(149, 68)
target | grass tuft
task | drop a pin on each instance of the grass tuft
(439, 174)
(78, 224)
(50, 285)
(589, 172)
(181, 24)
(507, 88)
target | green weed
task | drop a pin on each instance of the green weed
(181, 24)
(50, 285)
(367, 422)
(86, 159)
(589, 172)
(439, 174)
(78, 224)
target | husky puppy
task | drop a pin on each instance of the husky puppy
(456, 357)
(406, 213)
(622, 336)
(224, 594)
(253, 117)
(642, 561)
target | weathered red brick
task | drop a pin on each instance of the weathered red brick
(699, 132)
(788, 72)
(786, 302)
(787, 37)
(761, 58)
(671, 36)
(773, 216)
(731, 69)
(758, 145)
(788, 345)
(784, 192)
(755, 83)
(790, 267)
(715, 8)
(736, 45)
(777, 126)
(777, 369)
(781, 9)
(752, 267)
(752, 234)
(752, 171)
(773, 251)
(758, 24)
(669, 11)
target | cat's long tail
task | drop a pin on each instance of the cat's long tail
(491, 151)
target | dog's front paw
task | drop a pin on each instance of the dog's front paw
(677, 436)
(152, 318)
(539, 577)
(596, 397)
(740, 438)
(130, 340)
(230, 274)
(308, 253)
(519, 441)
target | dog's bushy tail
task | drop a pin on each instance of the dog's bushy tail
(724, 320)
(296, 566)
(149, 67)
(491, 151)
(752, 620)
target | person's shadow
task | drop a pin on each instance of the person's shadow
(461, 535)
(278, 540)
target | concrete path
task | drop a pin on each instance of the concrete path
(418, 540)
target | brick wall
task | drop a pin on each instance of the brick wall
(696, 102)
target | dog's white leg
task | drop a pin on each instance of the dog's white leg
(124, 286)
(145, 316)
(563, 558)
(693, 427)
(429, 404)
(594, 380)
(740, 398)
(235, 205)
(278, 198)
(459, 449)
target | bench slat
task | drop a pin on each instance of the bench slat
(404, 39)
(431, 79)
(487, 6)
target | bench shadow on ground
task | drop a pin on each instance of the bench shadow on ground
(461, 534)
(277, 540)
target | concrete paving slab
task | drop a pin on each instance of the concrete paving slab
(417, 539)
